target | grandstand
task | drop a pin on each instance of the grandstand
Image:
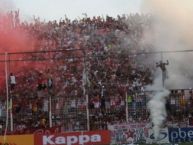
(83, 75)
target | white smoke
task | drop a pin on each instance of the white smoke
(156, 105)
(171, 30)
(6, 6)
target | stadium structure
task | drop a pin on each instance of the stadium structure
(86, 82)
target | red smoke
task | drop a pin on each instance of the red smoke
(14, 38)
(14, 41)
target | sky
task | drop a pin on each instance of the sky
(55, 9)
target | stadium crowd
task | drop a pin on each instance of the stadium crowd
(91, 73)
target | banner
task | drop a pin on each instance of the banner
(128, 133)
(52, 130)
(162, 139)
(180, 135)
(17, 140)
(74, 138)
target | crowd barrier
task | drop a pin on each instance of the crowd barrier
(136, 133)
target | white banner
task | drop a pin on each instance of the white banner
(162, 139)
(128, 133)
(132, 133)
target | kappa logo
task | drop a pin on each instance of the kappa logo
(69, 140)
(162, 136)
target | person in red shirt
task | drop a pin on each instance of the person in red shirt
(41, 82)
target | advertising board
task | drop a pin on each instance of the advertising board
(162, 139)
(177, 135)
(17, 140)
(129, 133)
(74, 138)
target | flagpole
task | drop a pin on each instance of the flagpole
(7, 97)
(87, 112)
(11, 113)
(50, 110)
(126, 106)
(10, 96)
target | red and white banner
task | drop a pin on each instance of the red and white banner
(128, 133)
(74, 138)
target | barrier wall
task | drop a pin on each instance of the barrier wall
(177, 135)
(135, 133)
(74, 138)
(118, 134)
(128, 133)
(163, 137)
(70, 138)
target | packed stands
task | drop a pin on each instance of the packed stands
(86, 72)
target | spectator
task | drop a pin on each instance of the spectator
(12, 81)
(89, 58)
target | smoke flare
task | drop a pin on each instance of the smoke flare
(171, 30)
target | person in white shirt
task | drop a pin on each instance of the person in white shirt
(12, 81)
